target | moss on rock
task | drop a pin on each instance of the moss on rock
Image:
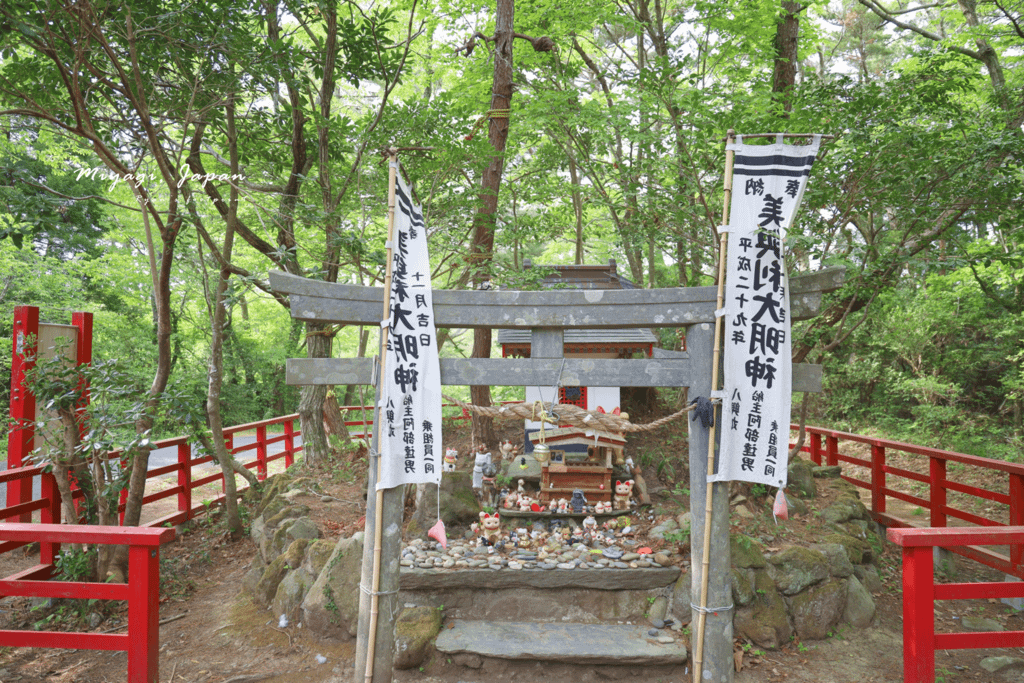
(415, 631)
(797, 568)
(745, 551)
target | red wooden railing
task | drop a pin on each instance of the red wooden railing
(920, 593)
(183, 468)
(883, 479)
(142, 592)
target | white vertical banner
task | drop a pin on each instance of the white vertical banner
(410, 414)
(768, 185)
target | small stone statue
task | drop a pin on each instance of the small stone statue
(481, 460)
(578, 501)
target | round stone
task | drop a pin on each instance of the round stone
(620, 565)
(613, 553)
(546, 565)
(405, 563)
(662, 559)
(657, 623)
(666, 639)
(653, 632)
(629, 557)
(448, 564)
(566, 565)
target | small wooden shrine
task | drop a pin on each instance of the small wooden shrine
(581, 460)
(578, 342)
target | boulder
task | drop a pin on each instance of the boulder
(765, 622)
(867, 574)
(998, 663)
(266, 587)
(845, 509)
(801, 478)
(681, 610)
(296, 553)
(857, 550)
(666, 527)
(796, 568)
(317, 555)
(745, 552)
(459, 506)
(981, 624)
(818, 610)
(272, 488)
(742, 586)
(659, 608)
(828, 472)
(860, 607)
(253, 576)
(415, 630)
(287, 532)
(839, 564)
(331, 607)
(291, 592)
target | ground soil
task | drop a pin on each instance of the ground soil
(215, 634)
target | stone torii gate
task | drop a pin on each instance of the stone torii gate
(547, 314)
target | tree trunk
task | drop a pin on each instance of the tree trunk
(486, 217)
(218, 323)
(334, 420)
(577, 208)
(311, 405)
(787, 34)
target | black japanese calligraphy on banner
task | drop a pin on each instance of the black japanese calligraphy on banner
(768, 185)
(411, 405)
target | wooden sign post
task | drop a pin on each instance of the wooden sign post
(547, 314)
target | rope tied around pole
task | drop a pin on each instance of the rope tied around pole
(573, 415)
(491, 114)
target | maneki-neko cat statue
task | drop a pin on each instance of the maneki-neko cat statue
(623, 492)
(488, 529)
(451, 459)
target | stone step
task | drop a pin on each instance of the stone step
(574, 643)
(594, 595)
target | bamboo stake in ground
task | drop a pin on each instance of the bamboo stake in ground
(371, 640)
(698, 649)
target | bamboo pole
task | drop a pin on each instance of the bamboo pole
(371, 641)
(698, 653)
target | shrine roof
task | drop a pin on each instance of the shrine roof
(597, 276)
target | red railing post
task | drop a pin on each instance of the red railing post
(143, 614)
(877, 478)
(83, 356)
(1016, 516)
(831, 450)
(50, 514)
(21, 435)
(261, 452)
(816, 448)
(937, 491)
(918, 615)
(185, 479)
(289, 443)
